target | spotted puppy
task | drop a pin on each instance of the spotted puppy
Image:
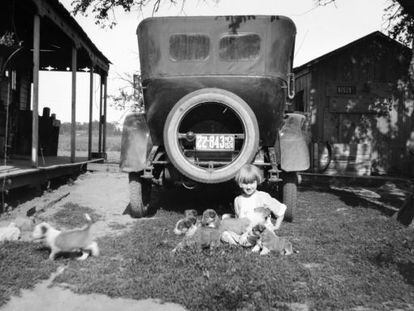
(268, 241)
(186, 226)
(67, 241)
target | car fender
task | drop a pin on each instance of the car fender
(136, 143)
(294, 151)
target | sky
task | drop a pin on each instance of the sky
(319, 30)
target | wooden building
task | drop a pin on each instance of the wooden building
(40, 35)
(361, 108)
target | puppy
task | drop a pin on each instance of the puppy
(269, 242)
(67, 241)
(210, 218)
(190, 213)
(186, 226)
(262, 216)
(203, 237)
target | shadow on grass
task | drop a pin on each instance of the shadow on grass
(350, 199)
(407, 271)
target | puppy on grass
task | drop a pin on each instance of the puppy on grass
(267, 241)
(188, 224)
(70, 241)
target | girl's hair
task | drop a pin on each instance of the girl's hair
(248, 174)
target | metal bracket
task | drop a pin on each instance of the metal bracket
(147, 173)
(274, 171)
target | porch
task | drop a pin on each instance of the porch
(18, 171)
(41, 36)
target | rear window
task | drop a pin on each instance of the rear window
(189, 47)
(239, 47)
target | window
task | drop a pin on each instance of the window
(239, 47)
(189, 47)
(299, 101)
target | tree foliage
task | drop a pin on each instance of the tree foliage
(400, 23)
(104, 10)
(128, 97)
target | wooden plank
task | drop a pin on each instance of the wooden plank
(90, 112)
(73, 111)
(36, 67)
(100, 116)
(104, 114)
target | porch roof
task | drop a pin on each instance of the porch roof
(59, 32)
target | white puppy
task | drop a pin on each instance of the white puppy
(67, 241)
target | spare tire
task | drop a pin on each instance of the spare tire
(241, 111)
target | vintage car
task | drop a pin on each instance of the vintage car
(215, 90)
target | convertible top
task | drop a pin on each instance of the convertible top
(216, 45)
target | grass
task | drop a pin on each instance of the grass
(22, 265)
(73, 216)
(349, 256)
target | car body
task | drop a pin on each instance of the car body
(214, 90)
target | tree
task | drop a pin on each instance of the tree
(129, 97)
(104, 11)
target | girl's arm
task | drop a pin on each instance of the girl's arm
(278, 222)
(236, 207)
(278, 209)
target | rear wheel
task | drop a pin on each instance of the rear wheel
(139, 195)
(210, 111)
(289, 194)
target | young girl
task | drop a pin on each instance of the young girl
(248, 178)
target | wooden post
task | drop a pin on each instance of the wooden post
(104, 114)
(100, 114)
(73, 119)
(36, 67)
(90, 113)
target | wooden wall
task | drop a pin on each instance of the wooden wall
(19, 83)
(359, 97)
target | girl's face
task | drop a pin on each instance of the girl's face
(248, 188)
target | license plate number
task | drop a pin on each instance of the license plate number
(214, 142)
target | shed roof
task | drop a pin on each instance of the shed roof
(374, 35)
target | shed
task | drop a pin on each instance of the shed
(360, 108)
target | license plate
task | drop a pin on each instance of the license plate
(214, 142)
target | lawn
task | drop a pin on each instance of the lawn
(350, 256)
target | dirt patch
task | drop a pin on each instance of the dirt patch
(103, 193)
